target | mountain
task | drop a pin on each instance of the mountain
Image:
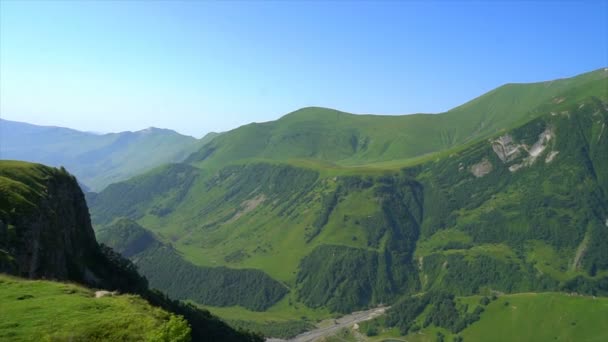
(344, 139)
(504, 194)
(46, 232)
(96, 159)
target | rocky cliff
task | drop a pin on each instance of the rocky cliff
(45, 229)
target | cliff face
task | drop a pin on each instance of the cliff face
(45, 229)
(46, 232)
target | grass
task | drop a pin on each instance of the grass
(542, 317)
(548, 260)
(285, 319)
(44, 310)
(22, 185)
(288, 309)
(518, 317)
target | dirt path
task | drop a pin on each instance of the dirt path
(336, 325)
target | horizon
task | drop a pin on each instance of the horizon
(200, 136)
(196, 68)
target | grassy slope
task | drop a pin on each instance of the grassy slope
(525, 317)
(542, 317)
(348, 139)
(166, 270)
(200, 221)
(21, 185)
(261, 227)
(97, 160)
(45, 310)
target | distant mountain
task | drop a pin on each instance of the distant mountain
(46, 232)
(507, 193)
(96, 159)
(335, 137)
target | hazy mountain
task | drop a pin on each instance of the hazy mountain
(96, 159)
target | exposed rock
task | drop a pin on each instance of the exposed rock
(505, 149)
(515, 167)
(550, 156)
(103, 293)
(482, 168)
(247, 206)
(55, 239)
(541, 144)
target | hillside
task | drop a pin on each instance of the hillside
(96, 159)
(347, 139)
(44, 310)
(516, 317)
(518, 206)
(165, 269)
(45, 232)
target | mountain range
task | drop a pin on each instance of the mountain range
(96, 159)
(462, 222)
(503, 194)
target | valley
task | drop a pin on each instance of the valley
(303, 171)
(351, 227)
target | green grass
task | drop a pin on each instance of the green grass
(288, 309)
(44, 311)
(285, 319)
(548, 260)
(518, 317)
(22, 185)
(542, 317)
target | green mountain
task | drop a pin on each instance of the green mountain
(345, 139)
(97, 160)
(505, 193)
(46, 232)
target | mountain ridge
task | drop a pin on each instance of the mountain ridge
(324, 134)
(347, 212)
(96, 159)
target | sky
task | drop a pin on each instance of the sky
(196, 66)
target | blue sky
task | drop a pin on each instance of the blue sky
(197, 66)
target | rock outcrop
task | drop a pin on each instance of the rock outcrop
(45, 229)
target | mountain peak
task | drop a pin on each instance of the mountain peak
(312, 113)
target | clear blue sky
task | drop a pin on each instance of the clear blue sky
(207, 66)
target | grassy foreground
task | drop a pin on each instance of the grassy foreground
(44, 311)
